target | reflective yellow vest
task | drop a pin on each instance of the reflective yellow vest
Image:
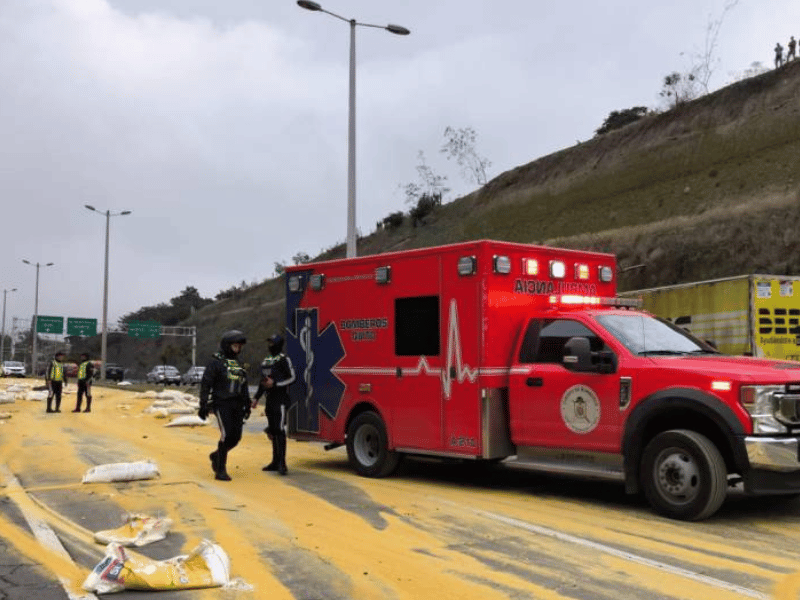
(82, 369)
(56, 371)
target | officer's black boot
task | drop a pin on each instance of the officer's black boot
(273, 466)
(282, 453)
(222, 460)
(88, 404)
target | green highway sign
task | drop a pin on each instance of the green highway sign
(49, 324)
(76, 326)
(144, 329)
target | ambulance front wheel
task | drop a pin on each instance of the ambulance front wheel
(684, 475)
(368, 448)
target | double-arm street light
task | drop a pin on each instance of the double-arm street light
(3, 334)
(351, 156)
(104, 338)
(34, 333)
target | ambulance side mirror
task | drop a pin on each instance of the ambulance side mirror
(578, 357)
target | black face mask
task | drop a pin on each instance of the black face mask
(275, 350)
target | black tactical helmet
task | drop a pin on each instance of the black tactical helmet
(275, 344)
(234, 336)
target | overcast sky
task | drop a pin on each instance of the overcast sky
(222, 126)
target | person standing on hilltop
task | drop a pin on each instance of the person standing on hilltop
(56, 378)
(223, 390)
(791, 48)
(778, 55)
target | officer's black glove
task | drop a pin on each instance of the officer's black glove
(203, 412)
(247, 412)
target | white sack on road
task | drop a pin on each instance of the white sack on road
(137, 530)
(207, 566)
(145, 469)
(187, 421)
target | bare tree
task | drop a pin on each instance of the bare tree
(682, 87)
(460, 145)
(430, 184)
(706, 62)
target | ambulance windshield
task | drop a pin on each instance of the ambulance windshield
(648, 336)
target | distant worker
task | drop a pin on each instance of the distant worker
(56, 378)
(277, 374)
(778, 55)
(85, 374)
(790, 52)
(223, 390)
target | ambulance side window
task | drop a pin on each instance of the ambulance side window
(545, 339)
(416, 326)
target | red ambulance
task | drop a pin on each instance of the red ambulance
(492, 350)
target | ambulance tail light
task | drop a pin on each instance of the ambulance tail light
(502, 265)
(558, 270)
(383, 275)
(467, 265)
(606, 274)
(581, 272)
(295, 283)
(317, 281)
(530, 266)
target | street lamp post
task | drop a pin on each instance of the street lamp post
(104, 337)
(3, 334)
(34, 333)
(351, 139)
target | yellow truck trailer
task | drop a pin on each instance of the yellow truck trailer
(757, 315)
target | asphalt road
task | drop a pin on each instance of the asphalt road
(433, 530)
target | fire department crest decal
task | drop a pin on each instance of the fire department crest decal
(580, 409)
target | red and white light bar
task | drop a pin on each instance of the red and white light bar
(575, 300)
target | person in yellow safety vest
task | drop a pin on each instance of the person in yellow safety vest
(85, 374)
(56, 379)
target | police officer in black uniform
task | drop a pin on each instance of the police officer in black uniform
(56, 378)
(85, 374)
(277, 373)
(223, 390)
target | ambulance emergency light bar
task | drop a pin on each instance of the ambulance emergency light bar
(576, 300)
(468, 265)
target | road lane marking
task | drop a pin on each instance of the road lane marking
(667, 568)
(41, 531)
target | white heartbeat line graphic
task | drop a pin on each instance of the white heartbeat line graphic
(454, 370)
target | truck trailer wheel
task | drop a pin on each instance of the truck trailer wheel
(367, 446)
(683, 475)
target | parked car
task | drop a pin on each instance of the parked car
(192, 376)
(13, 368)
(114, 372)
(164, 374)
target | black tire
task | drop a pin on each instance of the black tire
(367, 446)
(683, 475)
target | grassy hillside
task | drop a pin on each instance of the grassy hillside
(709, 189)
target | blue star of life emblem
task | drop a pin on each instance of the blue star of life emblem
(314, 354)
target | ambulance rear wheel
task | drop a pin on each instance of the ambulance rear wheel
(368, 446)
(684, 475)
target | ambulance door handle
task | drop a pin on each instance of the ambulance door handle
(534, 382)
